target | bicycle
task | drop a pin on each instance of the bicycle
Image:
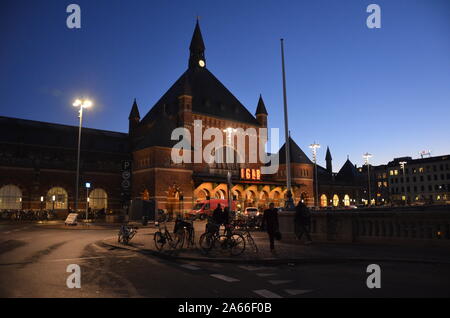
(232, 241)
(163, 238)
(126, 233)
(245, 231)
(188, 232)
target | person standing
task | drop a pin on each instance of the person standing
(270, 220)
(302, 221)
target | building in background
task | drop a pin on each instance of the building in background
(421, 181)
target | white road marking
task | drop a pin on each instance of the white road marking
(278, 282)
(266, 274)
(225, 278)
(294, 292)
(266, 293)
(191, 267)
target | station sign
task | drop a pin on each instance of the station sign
(250, 174)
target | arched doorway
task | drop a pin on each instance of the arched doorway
(98, 199)
(346, 200)
(220, 194)
(323, 200)
(56, 199)
(335, 200)
(10, 197)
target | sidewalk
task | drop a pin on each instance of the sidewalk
(288, 252)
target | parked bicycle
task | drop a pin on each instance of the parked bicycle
(245, 231)
(231, 241)
(126, 233)
(187, 227)
(164, 238)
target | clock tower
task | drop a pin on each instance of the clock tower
(197, 49)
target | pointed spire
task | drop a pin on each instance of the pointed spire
(134, 111)
(261, 108)
(197, 48)
(328, 155)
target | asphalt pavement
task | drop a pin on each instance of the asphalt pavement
(34, 260)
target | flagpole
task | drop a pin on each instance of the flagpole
(289, 202)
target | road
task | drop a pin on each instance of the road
(34, 259)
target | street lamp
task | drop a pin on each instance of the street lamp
(314, 148)
(53, 204)
(366, 157)
(88, 185)
(402, 166)
(81, 104)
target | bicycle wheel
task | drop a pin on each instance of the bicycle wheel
(236, 244)
(252, 243)
(119, 238)
(160, 241)
(178, 239)
(206, 242)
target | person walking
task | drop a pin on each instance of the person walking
(270, 221)
(302, 221)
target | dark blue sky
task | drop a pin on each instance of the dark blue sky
(385, 91)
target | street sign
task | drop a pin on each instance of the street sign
(126, 175)
(71, 219)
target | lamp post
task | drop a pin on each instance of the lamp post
(88, 186)
(366, 157)
(402, 166)
(53, 204)
(314, 148)
(81, 104)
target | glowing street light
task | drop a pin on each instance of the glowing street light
(366, 157)
(86, 103)
(314, 148)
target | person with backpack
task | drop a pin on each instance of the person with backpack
(302, 221)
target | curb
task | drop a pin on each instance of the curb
(279, 261)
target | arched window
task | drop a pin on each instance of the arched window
(323, 200)
(98, 199)
(335, 200)
(219, 194)
(346, 200)
(59, 196)
(10, 197)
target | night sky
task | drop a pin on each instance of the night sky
(384, 91)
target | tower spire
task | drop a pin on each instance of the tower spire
(197, 48)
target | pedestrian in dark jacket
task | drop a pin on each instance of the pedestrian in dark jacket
(270, 220)
(217, 215)
(302, 221)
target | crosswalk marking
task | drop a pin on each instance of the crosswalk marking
(191, 267)
(225, 278)
(266, 274)
(278, 282)
(294, 292)
(266, 293)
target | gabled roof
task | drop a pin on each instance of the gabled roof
(348, 171)
(209, 97)
(296, 153)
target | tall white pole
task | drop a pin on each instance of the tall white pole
(78, 159)
(286, 125)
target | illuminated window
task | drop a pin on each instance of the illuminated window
(385, 184)
(10, 197)
(323, 200)
(421, 169)
(391, 172)
(396, 172)
(346, 200)
(380, 184)
(335, 200)
(98, 199)
(60, 198)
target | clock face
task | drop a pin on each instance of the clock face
(201, 63)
